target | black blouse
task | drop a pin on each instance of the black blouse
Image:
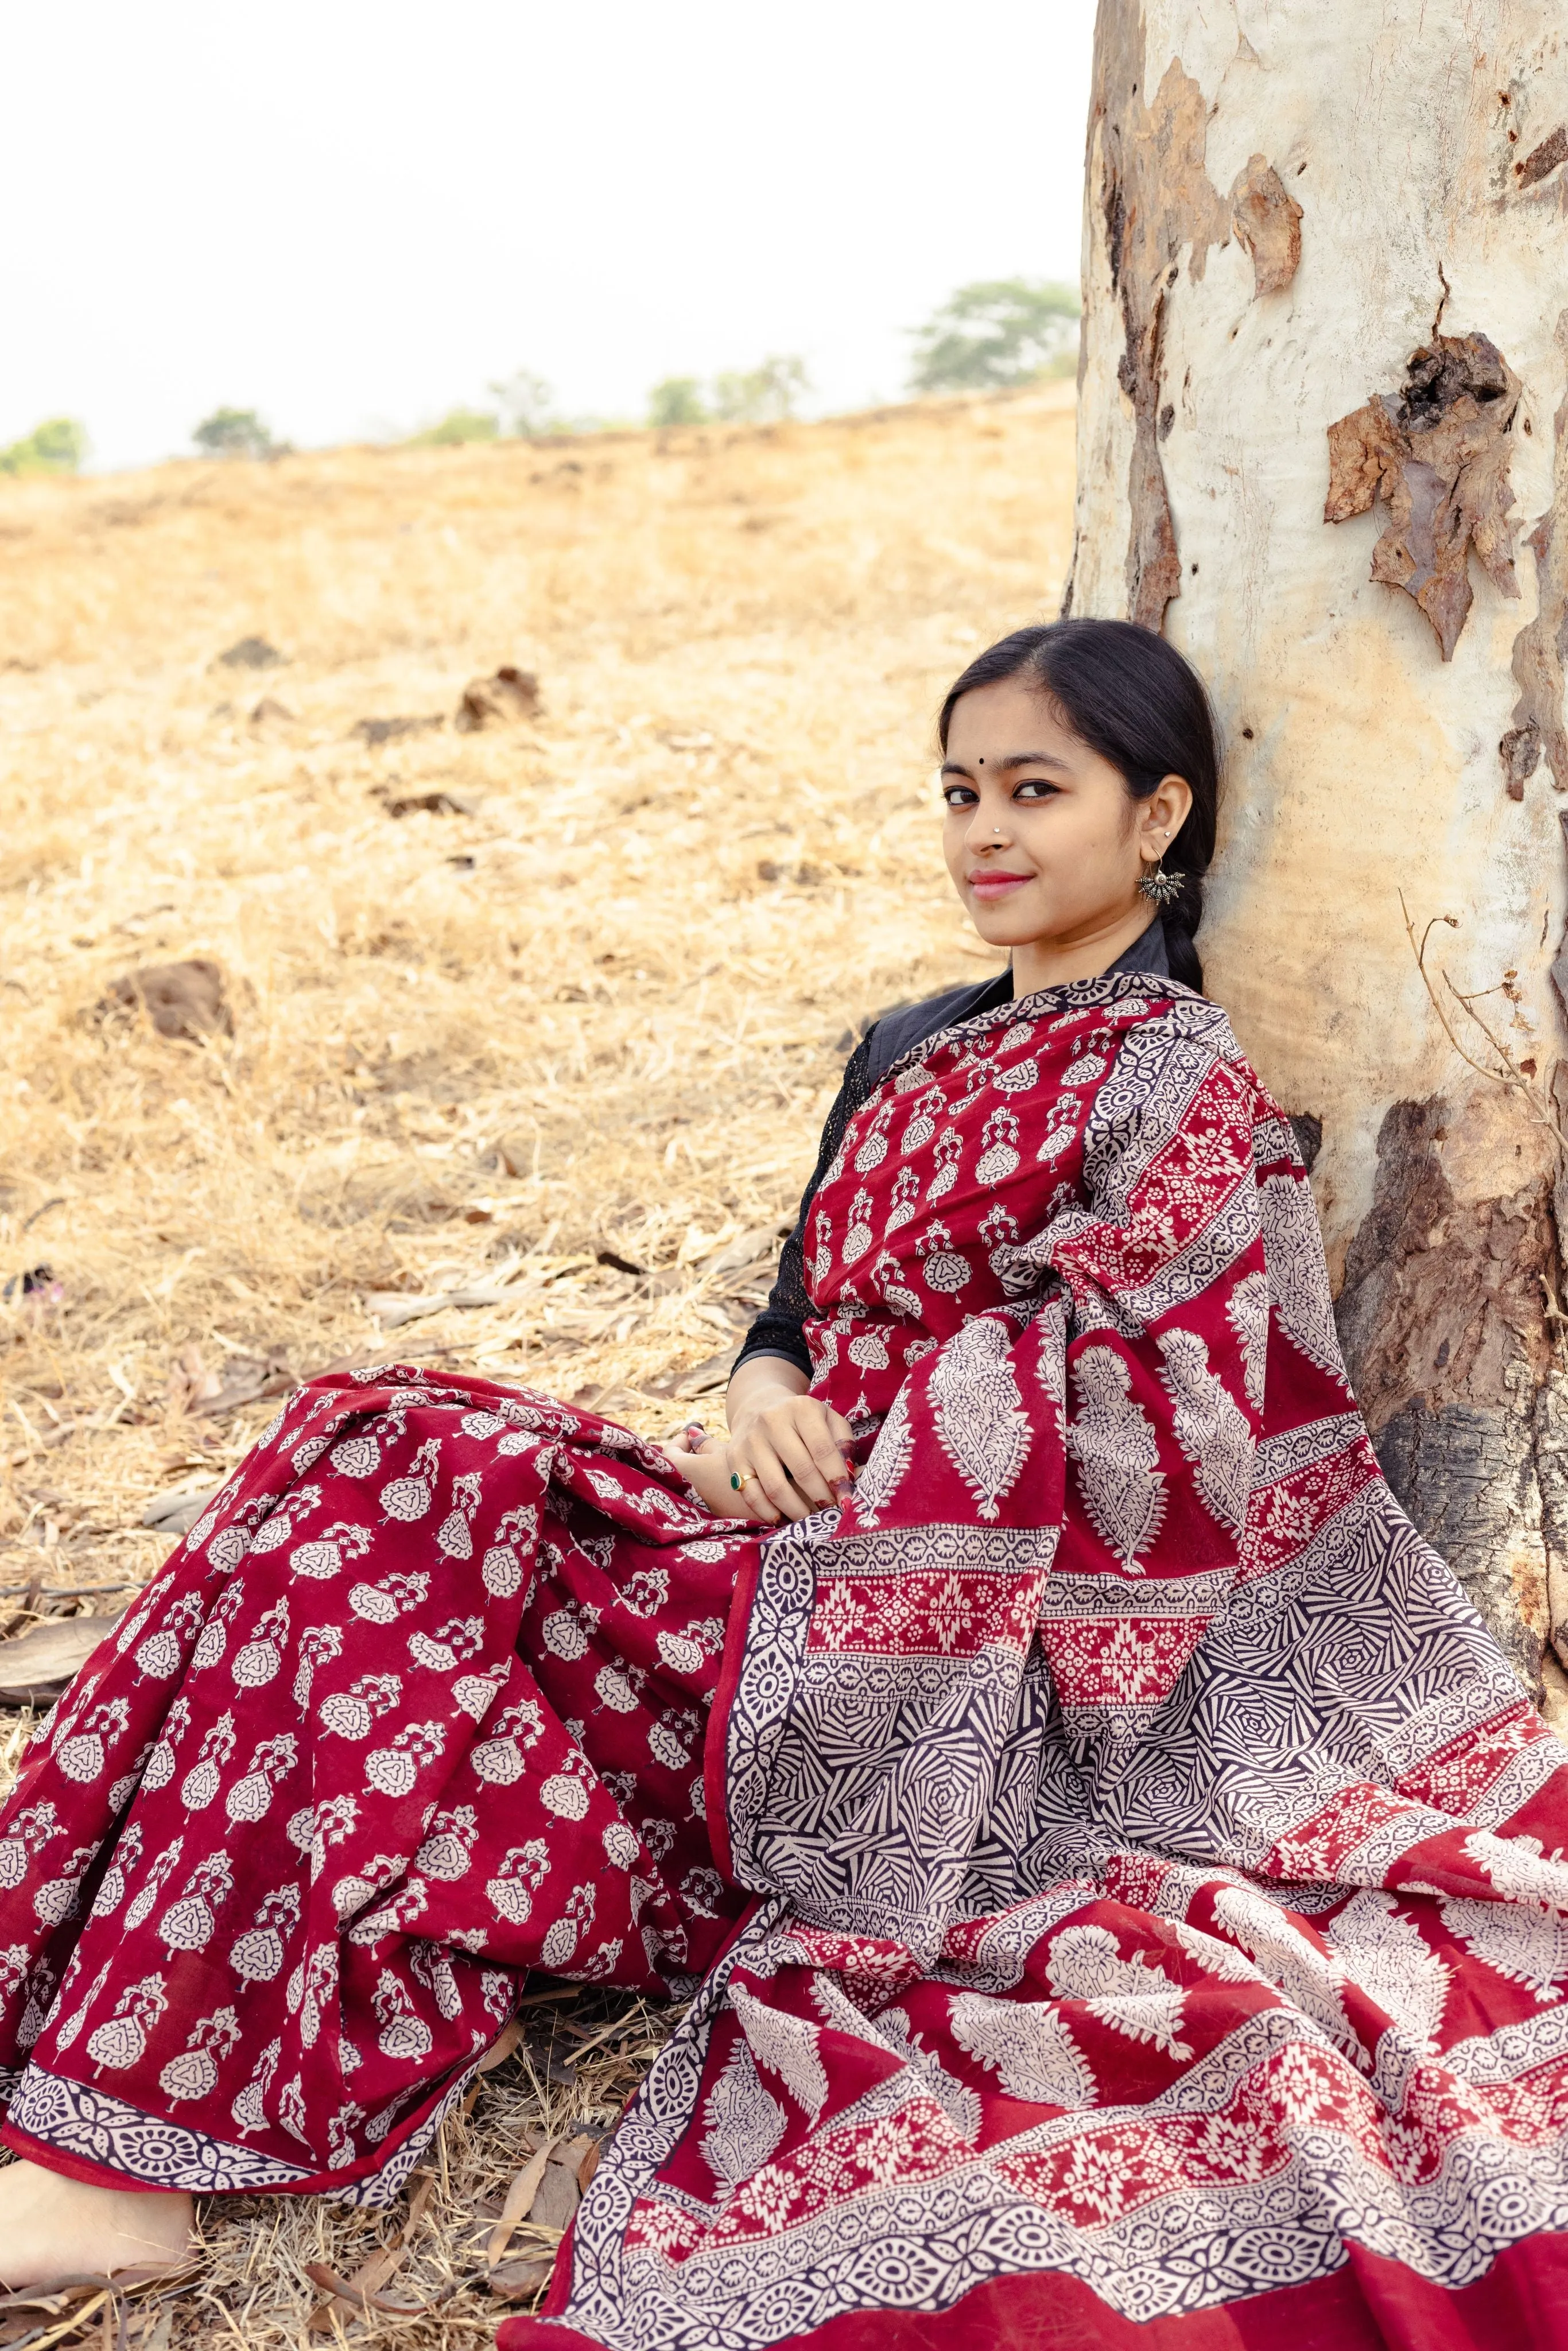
(779, 1329)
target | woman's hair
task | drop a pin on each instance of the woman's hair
(1134, 699)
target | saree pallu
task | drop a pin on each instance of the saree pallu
(1160, 1929)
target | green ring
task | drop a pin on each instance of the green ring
(734, 1481)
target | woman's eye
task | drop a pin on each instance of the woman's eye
(958, 796)
(1036, 789)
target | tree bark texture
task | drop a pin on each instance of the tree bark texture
(1323, 444)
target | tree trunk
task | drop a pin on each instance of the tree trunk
(1323, 444)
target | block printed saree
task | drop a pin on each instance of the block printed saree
(1127, 1888)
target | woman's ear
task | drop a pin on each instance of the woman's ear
(1166, 810)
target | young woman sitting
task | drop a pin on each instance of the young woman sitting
(1114, 1873)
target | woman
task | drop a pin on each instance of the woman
(1123, 1874)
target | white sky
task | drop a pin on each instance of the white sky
(354, 214)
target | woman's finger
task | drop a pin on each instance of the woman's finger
(814, 1425)
(807, 1423)
(790, 1443)
(748, 1498)
(774, 1477)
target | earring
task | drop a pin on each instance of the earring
(1161, 889)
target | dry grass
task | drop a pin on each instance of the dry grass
(600, 1009)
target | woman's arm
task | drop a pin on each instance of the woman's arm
(779, 1329)
(784, 1446)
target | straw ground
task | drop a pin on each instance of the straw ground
(560, 1039)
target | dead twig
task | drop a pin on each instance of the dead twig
(1508, 1072)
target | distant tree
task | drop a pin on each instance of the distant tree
(57, 446)
(756, 394)
(234, 433)
(458, 426)
(997, 332)
(677, 401)
(527, 405)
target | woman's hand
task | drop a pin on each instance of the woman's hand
(789, 1452)
(704, 1462)
(801, 1467)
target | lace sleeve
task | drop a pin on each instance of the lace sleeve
(779, 1329)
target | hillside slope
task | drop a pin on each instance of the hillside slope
(598, 1006)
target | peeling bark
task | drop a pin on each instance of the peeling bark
(1157, 198)
(1268, 222)
(1441, 1320)
(1553, 151)
(1540, 650)
(1437, 454)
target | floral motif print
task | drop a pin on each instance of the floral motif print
(348, 1839)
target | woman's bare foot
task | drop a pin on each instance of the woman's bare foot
(53, 2228)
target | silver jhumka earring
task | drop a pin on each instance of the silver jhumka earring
(1161, 889)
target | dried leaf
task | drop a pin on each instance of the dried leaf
(501, 2049)
(557, 2196)
(176, 1512)
(520, 2280)
(518, 2201)
(365, 2281)
(39, 1664)
(71, 2325)
(359, 2299)
(424, 2189)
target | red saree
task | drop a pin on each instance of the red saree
(1157, 1918)
(418, 1706)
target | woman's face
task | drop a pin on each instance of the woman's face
(1042, 839)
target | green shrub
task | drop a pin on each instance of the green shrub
(677, 401)
(457, 427)
(763, 393)
(234, 433)
(997, 332)
(57, 446)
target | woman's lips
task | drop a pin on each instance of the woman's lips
(990, 884)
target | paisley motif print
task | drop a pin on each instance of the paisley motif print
(980, 1418)
(1210, 1428)
(1116, 1457)
(393, 1756)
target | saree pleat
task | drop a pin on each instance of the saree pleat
(418, 1706)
